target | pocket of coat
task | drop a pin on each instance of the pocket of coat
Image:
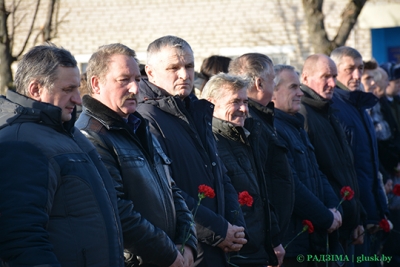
(136, 161)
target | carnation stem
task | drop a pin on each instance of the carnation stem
(188, 235)
(293, 239)
(340, 203)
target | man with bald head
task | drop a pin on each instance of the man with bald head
(333, 153)
(351, 103)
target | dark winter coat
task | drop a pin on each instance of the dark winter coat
(350, 108)
(272, 154)
(389, 150)
(58, 204)
(313, 194)
(334, 155)
(183, 128)
(153, 213)
(246, 174)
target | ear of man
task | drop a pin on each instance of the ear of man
(304, 79)
(35, 90)
(258, 84)
(149, 71)
(95, 82)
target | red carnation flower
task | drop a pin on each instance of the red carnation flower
(245, 199)
(396, 190)
(384, 224)
(308, 226)
(347, 193)
(206, 191)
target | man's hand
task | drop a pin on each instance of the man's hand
(187, 255)
(234, 239)
(280, 254)
(179, 261)
(358, 235)
(337, 220)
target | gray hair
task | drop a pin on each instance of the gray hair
(278, 69)
(344, 51)
(166, 41)
(251, 65)
(99, 61)
(41, 63)
(213, 88)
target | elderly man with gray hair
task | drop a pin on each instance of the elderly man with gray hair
(259, 69)
(314, 198)
(232, 131)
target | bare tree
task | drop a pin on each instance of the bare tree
(316, 27)
(9, 24)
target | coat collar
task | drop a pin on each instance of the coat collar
(359, 99)
(296, 120)
(313, 99)
(35, 111)
(109, 118)
(230, 131)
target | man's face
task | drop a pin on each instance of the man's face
(231, 106)
(350, 71)
(323, 79)
(368, 80)
(65, 93)
(393, 88)
(287, 94)
(120, 87)
(382, 82)
(267, 85)
(172, 69)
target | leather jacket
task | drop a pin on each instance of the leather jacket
(153, 213)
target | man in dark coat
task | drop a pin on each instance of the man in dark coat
(183, 128)
(272, 153)
(57, 201)
(228, 94)
(333, 153)
(154, 215)
(314, 197)
(351, 103)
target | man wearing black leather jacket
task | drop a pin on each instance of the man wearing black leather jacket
(155, 219)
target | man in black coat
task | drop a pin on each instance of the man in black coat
(333, 153)
(228, 94)
(57, 201)
(314, 199)
(155, 219)
(183, 128)
(272, 153)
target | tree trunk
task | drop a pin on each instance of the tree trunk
(47, 36)
(6, 59)
(316, 27)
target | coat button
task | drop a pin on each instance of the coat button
(214, 164)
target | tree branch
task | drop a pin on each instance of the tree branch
(30, 30)
(349, 19)
(316, 26)
(49, 18)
